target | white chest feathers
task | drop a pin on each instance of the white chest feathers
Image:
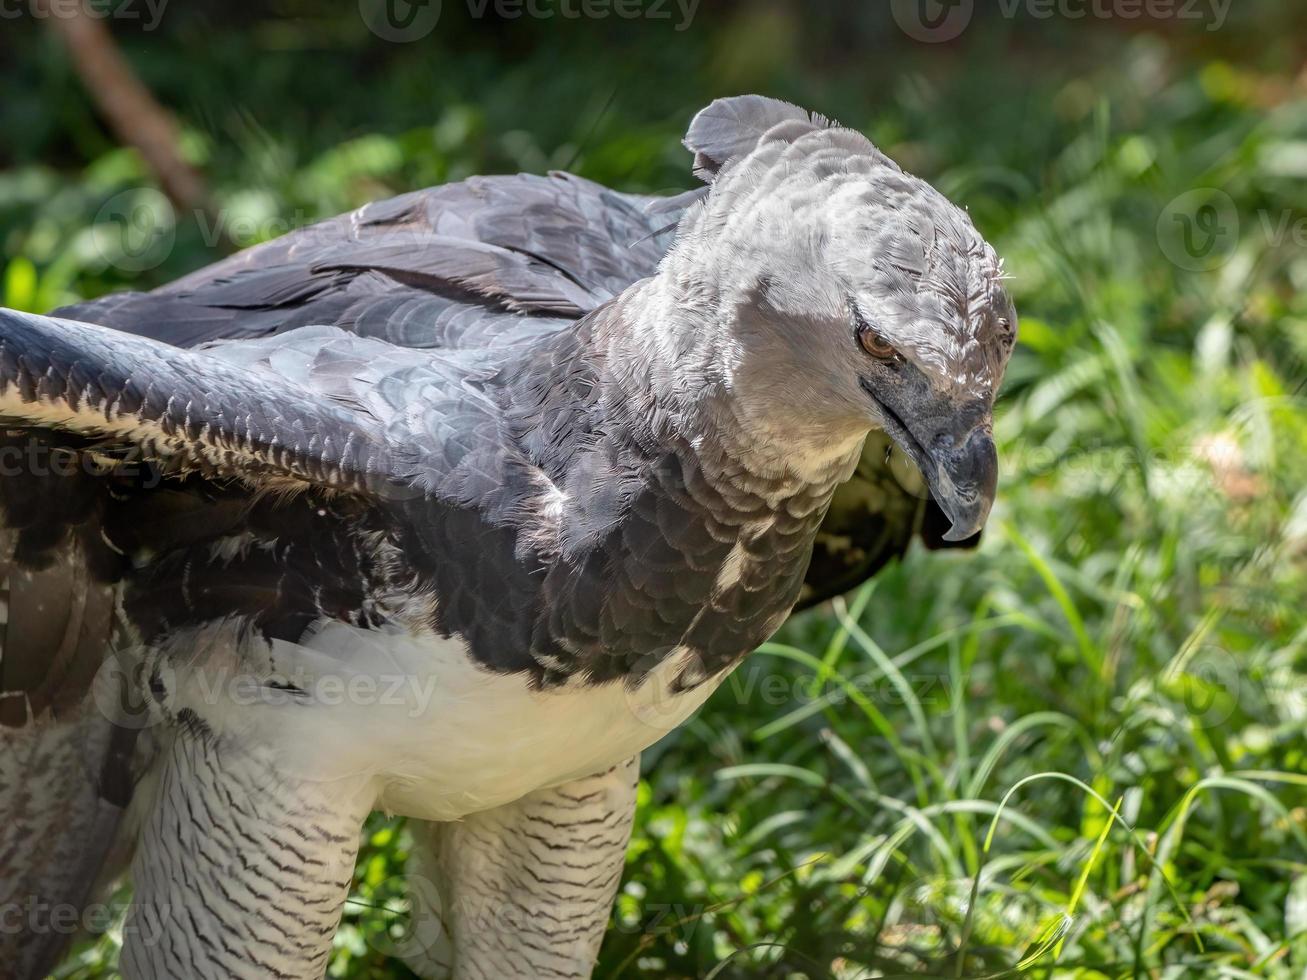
(441, 736)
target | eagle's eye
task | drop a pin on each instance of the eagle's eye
(874, 343)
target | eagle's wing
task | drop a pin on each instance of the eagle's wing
(116, 452)
(186, 411)
(490, 260)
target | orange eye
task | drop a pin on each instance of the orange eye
(875, 344)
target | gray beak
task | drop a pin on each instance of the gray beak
(956, 456)
(964, 481)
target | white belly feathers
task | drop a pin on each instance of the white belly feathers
(441, 736)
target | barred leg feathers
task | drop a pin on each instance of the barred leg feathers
(524, 890)
(59, 838)
(242, 871)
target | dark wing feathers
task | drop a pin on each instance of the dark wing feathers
(188, 411)
(465, 259)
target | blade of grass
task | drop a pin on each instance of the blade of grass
(1084, 874)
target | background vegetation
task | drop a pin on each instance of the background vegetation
(919, 780)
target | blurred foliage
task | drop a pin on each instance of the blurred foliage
(919, 780)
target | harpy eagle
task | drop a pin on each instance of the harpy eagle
(451, 506)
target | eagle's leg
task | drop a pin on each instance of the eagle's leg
(242, 869)
(524, 890)
(57, 837)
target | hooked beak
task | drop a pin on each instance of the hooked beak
(959, 462)
(964, 481)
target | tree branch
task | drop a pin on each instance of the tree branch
(131, 111)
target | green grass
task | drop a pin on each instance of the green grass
(1079, 752)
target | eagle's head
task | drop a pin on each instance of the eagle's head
(851, 296)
